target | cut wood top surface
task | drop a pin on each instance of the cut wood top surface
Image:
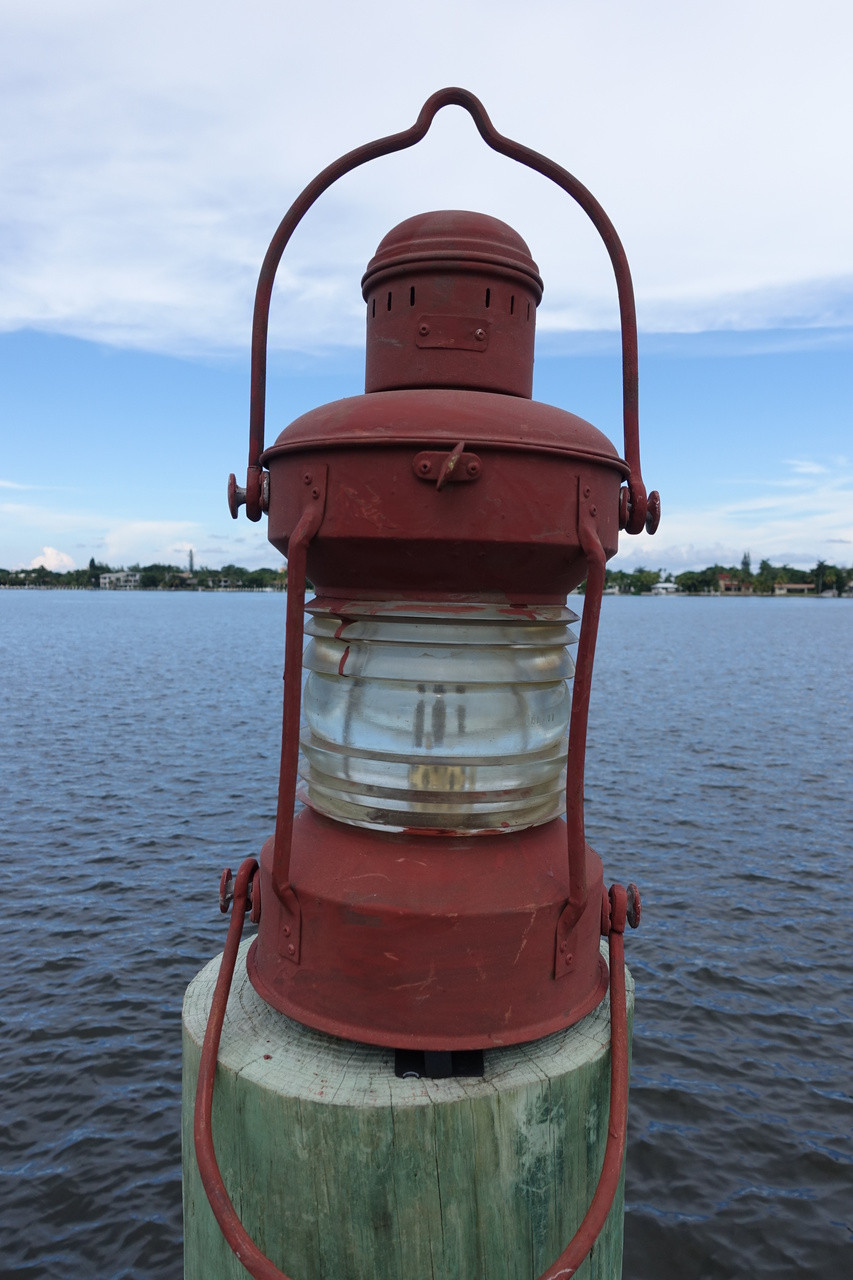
(281, 1055)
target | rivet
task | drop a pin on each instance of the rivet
(291, 950)
(307, 478)
(480, 335)
(473, 468)
(586, 491)
(423, 330)
(593, 510)
(569, 957)
(424, 468)
(315, 493)
(286, 931)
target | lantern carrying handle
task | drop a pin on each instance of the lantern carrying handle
(620, 907)
(638, 510)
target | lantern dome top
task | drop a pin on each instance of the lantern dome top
(450, 238)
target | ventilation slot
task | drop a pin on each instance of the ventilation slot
(412, 296)
(389, 301)
(488, 297)
(512, 304)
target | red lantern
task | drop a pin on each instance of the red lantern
(429, 894)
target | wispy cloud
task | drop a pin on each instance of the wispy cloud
(805, 468)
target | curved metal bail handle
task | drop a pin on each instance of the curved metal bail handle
(617, 1124)
(237, 1237)
(638, 503)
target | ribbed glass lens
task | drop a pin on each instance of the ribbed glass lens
(421, 718)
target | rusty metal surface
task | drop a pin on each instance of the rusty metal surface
(385, 531)
(456, 467)
(429, 941)
(444, 416)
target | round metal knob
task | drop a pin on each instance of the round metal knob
(635, 906)
(236, 496)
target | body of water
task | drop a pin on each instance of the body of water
(139, 740)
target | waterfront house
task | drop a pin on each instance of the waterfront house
(119, 581)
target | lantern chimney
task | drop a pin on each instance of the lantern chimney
(451, 302)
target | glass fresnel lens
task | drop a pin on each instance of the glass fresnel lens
(422, 719)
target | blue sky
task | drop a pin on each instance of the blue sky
(153, 149)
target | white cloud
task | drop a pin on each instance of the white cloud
(55, 561)
(805, 468)
(151, 149)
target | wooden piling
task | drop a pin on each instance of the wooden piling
(340, 1171)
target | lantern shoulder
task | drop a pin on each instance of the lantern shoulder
(442, 416)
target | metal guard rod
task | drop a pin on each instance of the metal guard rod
(595, 1217)
(581, 690)
(294, 631)
(258, 1265)
(638, 500)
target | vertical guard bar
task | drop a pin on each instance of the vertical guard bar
(581, 688)
(297, 547)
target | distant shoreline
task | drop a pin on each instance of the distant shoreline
(245, 591)
(152, 591)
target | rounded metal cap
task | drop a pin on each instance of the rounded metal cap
(451, 238)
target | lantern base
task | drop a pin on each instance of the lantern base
(429, 943)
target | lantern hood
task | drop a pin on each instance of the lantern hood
(447, 237)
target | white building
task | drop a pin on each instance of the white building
(120, 581)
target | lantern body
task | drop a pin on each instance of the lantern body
(430, 870)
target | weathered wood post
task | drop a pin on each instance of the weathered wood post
(341, 1171)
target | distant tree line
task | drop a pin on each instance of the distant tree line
(152, 577)
(232, 577)
(824, 576)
